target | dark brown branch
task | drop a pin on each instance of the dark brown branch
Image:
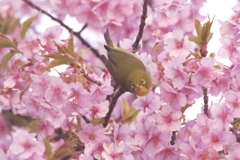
(112, 104)
(135, 46)
(235, 132)
(173, 137)
(205, 100)
(77, 34)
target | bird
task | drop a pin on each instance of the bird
(127, 69)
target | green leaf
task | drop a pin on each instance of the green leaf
(206, 30)
(71, 45)
(56, 62)
(129, 114)
(6, 58)
(196, 40)
(6, 42)
(198, 27)
(48, 148)
(61, 49)
(25, 26)
(83, 51)
(13, 25)
(62, 151)
(97, 121)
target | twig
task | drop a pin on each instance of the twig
(112, 105)
(235, 132)
(85, 75)
(135, 45)
(77, 34)
(172, 142)
(205, 100)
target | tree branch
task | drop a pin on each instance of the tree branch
(205, 100)
(172, 142)
(77, 34)
(113, 104)
(135, 46)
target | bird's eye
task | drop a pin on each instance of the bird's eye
(143, 82)
(132, 85)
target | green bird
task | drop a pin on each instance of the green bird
(127, 69)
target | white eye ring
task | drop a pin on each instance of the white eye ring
(143, 82)
(132, 85)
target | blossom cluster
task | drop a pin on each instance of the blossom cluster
(62, 115)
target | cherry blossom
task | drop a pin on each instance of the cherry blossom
(25, 145)
(169, 95)
(92, 135)
(205, 74)
(177, 45)
(29, 47)
(167, 119)
(147, 102)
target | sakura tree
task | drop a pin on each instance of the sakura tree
(58, 100)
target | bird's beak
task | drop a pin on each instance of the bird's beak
(137, 86)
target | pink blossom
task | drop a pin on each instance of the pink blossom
(91, 134)
(207, 153)
(69, 124)
(193, 66)
(157, 141)
(217, 139)
(113, 151)
(172, 7)
(168, 119)
(221, 83)
(160, 36)
(143, 133)
(40, 83)
(205, 74)
(233, 100)
(177, 45)
(192, 92)
(99, 93)
(203, 126)
(121, 133)
(25, 144)
(235, 76)
(85, 157)
(10, 97)
(78, 94)
(168, 153)
(39, 107)
(228, 30)
(222, 115)
(51, 33)
(57, 91)
(13, 79)
(86, 13)
(29, 47)
(98, 110)
(175, 72)
(229, 49)
(45, 128)
(234, 154)
(147, 102)
(169, 95)
(187, 150)
(72, 109)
